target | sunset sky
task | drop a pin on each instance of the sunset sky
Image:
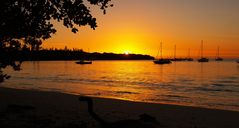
(138, 26)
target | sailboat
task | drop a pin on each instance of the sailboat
(202, 59)
(218, 58)
(189, 58)
(175, 58)
(161, 60)
(83, 62)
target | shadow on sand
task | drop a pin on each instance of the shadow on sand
(144, 121)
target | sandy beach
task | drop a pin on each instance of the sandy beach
(37, 109)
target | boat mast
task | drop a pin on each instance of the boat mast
(217, 51)
(157, 54)
(161, 50)
(175, 51)
(201, 48)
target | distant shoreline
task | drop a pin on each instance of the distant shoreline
(211, 60)
(61, 54)
(71, 55)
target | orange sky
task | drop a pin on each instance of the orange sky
(138, 26)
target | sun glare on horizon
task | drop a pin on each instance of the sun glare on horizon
(139, 28)
(126, 52)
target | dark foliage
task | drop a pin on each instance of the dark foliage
(25, 23)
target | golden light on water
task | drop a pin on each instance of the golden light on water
(136, 81)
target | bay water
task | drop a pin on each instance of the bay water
(209, 85)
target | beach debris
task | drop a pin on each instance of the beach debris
(144, 121)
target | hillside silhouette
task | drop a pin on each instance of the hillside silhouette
(74, 54)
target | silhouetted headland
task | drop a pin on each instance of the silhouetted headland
(75, 54)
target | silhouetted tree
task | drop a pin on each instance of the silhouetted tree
(25, 23)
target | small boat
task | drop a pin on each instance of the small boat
(238, 61)
(175, 58)
(83, 62)
(189, 58)
(202, 59)
(218, 58)
(161, 60)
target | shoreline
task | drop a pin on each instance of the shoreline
(55, 109)
(122, 99)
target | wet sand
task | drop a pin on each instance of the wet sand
(37, 109)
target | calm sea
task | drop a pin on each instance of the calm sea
(210, 85)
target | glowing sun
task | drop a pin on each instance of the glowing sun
(126, 52)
